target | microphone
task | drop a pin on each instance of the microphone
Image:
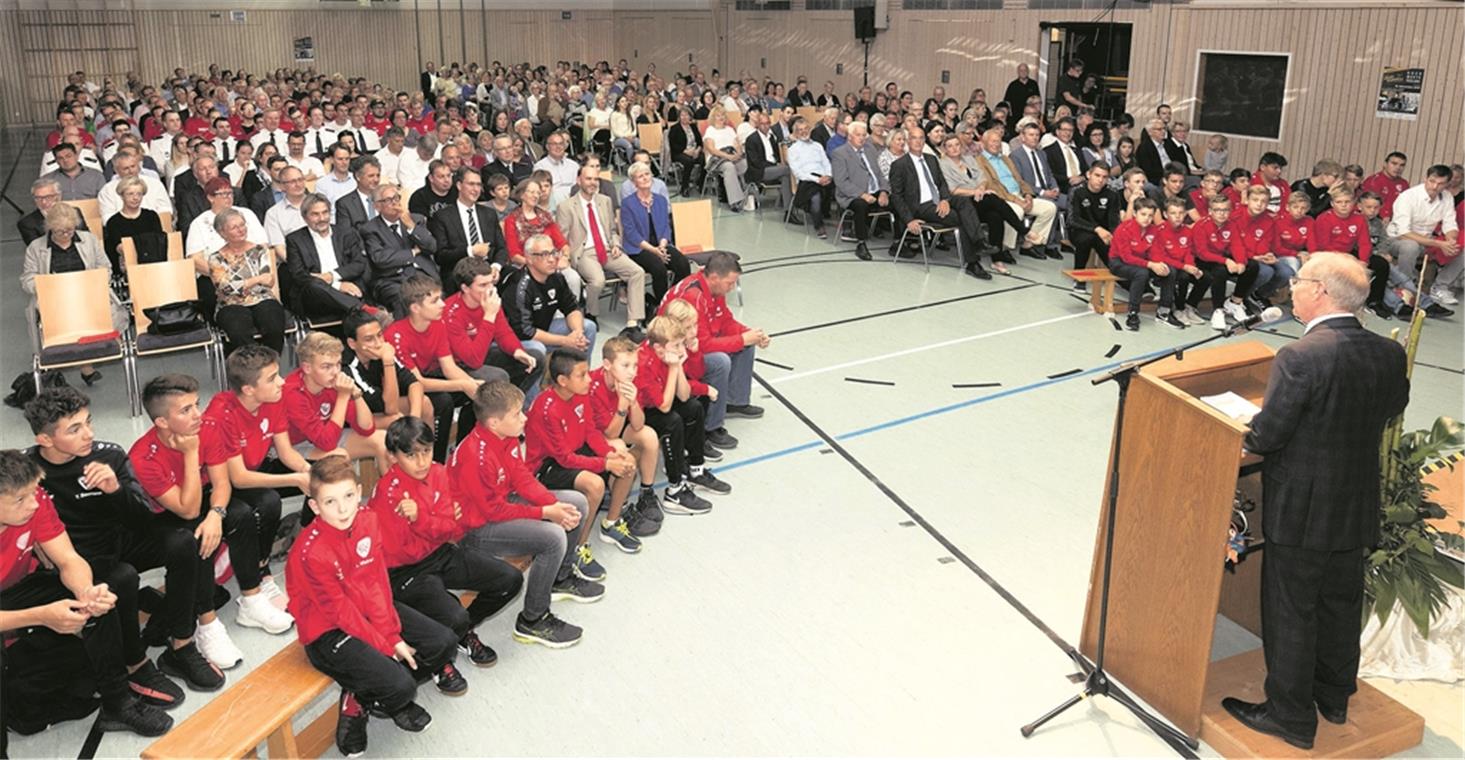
(1271, 314)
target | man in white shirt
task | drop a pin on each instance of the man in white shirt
(309, 166)
(128, 163)
(269, 131)
(390, 157)
(338, 181)
(327, 265)
(1417, 212)
(161, 147)
(286, 216)
(810, 166)
(367, 140)
(225, 146)
(563, 170)
(415, 164)
(319, 136)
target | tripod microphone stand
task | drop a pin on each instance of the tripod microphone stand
(1096, 679)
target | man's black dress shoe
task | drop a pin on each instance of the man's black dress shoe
(1338, 716)
(1255, 717)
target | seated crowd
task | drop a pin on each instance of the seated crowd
(444, 256)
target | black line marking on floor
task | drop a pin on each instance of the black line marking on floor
(1115, 323)
(826, 451)
(93, 741)
(761, 360)
(1065, 373)
(902, 310)
(753, 266)
(1114, 349)
(976, 385)
(19, 154)
(907, 523)
(868, 382)
(946, 543)
(946, 560)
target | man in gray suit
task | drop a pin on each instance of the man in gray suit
(858, 184)
(355, 209)
(590, 229)
(1033, 167)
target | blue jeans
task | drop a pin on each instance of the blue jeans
(559, 327)
(732, 376)
(1265, 275)
(1282, 271)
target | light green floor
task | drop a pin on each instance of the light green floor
(808, 614)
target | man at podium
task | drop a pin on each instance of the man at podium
(1327, 401)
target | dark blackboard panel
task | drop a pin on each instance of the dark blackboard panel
(1241, 93)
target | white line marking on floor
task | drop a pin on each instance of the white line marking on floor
(918, 349)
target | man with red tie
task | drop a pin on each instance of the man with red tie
(588, 223)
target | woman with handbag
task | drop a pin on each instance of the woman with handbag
(244, 280)
(64, 249)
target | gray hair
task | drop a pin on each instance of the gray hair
(312, 199)
(426, 146)
(640, 167)
(223, 217)
(1343, 276)
(858, 127)
(200, 160)
(43, 183)
(538, 243)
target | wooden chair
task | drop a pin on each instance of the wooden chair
(129, 250)
(162, 283)
(692, 224)
(259, 708)
(811, 114)
(75, 311)
(91, 211)
(166, 217)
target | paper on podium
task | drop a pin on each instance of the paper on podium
(1232, 405)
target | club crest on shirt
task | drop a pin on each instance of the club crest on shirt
(551, 292)
(580, 411)
(363, 547)
(325, 410)
(1104, 201)
(1352, 229)
(264, 426)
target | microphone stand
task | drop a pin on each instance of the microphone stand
(1096, 680)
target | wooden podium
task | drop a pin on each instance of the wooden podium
(1180, 469)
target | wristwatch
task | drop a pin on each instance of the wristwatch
(621, 412)
(220, 511)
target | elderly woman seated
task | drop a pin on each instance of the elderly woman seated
(64, 248)
(244, 281)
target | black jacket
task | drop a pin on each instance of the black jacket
(447, 229)
(678, 138)
(1328, 398)
(390, 255)
(1059, 166)
(905, 185)
(302, 261)
(757, 157)
(1149, 159)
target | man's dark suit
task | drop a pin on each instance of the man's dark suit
(757, 154)
(261, 202)
(307, 294)
(33, 225)
(905, 198)
(516, 172)
(351, 211)
(1059, 165)
(447, 229)
(1147, 157)
(1328, 398)
(392, 261)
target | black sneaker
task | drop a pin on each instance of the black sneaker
(450, 681)
(351, 726)
(548, 630)
(633, 334)
(682, 501)
(639, 524)
(189, 664)
(711, 453)
(1253, 305)
(479, 653)
(710, 482)
(1170, 320)
(721, 439)
(1437, 311)
(747, 411)
(648, 505)
(154, 688)
(1053, 253)
(136, 716)
(573, 588)
(412, 718)
(1132, 323)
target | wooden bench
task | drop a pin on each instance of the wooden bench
(1101, 287)
(261, 707)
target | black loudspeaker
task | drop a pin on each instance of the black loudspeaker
(865, 22)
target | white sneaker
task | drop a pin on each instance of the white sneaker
(1191, 317)
(258, 611)
(750, 203)
(1218, 319)
(1444, 296)
(276, 595)
(213, 641)
(1235, 310)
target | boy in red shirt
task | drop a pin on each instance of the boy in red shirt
(1173, 247)
(665, 397)
(487, 469)
(347, 622)
(1291, 237)
(47, 615)
(1256, 238)
(613, 409)
(188, 514)
(237, 431)
(1131, 260)
(478, 332)
(1236, 187)
(1269, 176)
(1219, 254)
(695, 368)
(1388, 183)
(566, 450)
(1200, 198)
(325, 410)
(414, 504)
(422, 346)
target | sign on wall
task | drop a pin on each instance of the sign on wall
(305, 50)
(1241, 94)
(1399, 91)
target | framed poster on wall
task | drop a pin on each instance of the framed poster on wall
(1241, 94)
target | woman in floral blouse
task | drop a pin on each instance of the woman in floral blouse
(244, 278)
